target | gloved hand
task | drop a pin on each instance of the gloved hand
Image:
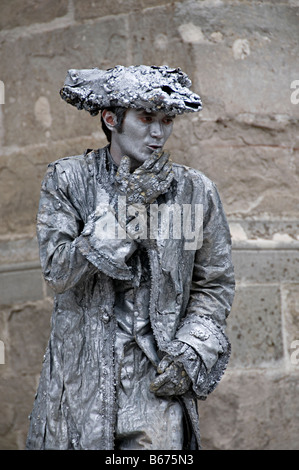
(173, 379)
(147, 182)
(100, 231)
(103, 216)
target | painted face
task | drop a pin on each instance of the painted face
(142, 134)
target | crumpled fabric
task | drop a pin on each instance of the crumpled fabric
(191, 293)
(156, 88)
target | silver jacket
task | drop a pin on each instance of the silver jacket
(191, 294)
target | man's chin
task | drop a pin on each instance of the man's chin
(136, 162)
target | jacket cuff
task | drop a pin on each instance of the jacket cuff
(210, 343)
(109, 260)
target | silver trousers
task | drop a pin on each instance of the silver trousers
(144, 421)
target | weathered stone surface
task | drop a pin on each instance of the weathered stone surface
(26, 12)
(16, 394)
(26, 327)
(252, 410)
(251, 83)
(33, 69)
(18, 251)
(266, 266)
(290, 298)
(20, 285)
(21, 174)
(256, 178)
(276, 230)
(248, 85)
(90, 9)
(154, 39)
(20, 182)
(254, 326)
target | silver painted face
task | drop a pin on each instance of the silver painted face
(142, 134)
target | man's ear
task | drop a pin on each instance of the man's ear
(110, 119)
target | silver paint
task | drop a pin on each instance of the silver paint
(142, 134)
(138, 324)
(154, 88)
(186, 299)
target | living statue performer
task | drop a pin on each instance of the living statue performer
(137, 332)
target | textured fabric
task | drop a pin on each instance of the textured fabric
(141, 86)
(190, 296)
(136, 359)
(145, 422)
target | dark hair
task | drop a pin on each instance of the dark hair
(120, 115)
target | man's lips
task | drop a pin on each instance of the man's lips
(155, 147)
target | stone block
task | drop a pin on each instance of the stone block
(20, 285)
(290, 303)
(90, 9)
(266, 266)
(255, 180)
(27, 12)
(16, 400)
(254, 326)
(279, 232)
(253, 410)
(20, 182)
(33, 69)
(155, 40)
(253, 161)
(243, 54)
(27, 328)
(21, 174)
(231, 52)
(18, 251)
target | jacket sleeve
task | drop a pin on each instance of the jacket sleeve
(66, 255)
(211, 297)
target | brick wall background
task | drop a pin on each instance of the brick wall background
(242, 58)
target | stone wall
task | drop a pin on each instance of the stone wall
(243, 59)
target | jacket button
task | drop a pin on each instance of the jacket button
(105, 318)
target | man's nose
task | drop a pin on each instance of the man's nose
(156, 130)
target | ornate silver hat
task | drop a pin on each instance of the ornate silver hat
(154, 88)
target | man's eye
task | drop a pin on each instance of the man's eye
(146, 119)
(167, 121)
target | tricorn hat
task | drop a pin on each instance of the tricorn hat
(148, 87)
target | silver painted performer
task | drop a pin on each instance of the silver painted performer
(137, 333)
